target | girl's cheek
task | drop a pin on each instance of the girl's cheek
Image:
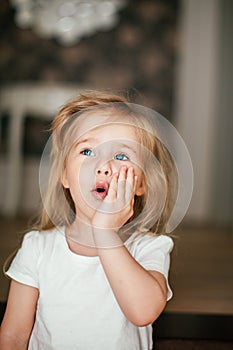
(117, 167)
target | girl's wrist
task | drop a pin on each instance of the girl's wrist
(106, 237)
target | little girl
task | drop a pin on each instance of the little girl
(93, 275)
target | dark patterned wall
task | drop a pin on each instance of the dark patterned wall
(140, 53)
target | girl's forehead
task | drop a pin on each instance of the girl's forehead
(103, 126)
(113, 131)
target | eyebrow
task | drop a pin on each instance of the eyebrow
(127, 146)
(93, 139)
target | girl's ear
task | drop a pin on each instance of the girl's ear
(64, 179)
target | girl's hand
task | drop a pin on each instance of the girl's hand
(117, 206)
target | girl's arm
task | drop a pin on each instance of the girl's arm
(19, 317)
(141, 294)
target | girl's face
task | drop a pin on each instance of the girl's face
(94, 158)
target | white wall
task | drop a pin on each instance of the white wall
(199, 110)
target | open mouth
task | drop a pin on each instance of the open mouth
(100, 191)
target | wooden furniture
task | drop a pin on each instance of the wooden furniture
(17, 100)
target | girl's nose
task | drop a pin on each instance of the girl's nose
(104, 170)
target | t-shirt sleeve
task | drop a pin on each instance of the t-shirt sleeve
(23, 268)
(153, 253)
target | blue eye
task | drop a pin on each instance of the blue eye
(121, 156)
(87, 152)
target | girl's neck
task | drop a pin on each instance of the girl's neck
(79, 238)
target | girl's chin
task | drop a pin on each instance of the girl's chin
(85, 215)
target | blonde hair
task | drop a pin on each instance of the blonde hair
(58, 212)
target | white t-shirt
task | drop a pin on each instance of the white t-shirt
(76, 308)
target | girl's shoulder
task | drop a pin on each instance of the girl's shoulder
(140, 242)
(42, 238)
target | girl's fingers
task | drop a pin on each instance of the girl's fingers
(130, 185)
(112, 191)
(121, 183)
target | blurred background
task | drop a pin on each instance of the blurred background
(174, 56)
